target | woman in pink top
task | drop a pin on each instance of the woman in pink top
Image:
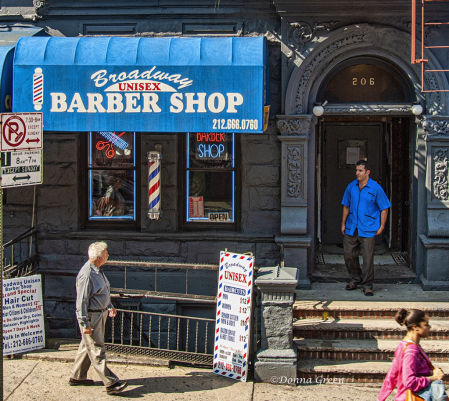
(411, 366)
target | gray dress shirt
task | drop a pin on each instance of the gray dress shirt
(92, 292)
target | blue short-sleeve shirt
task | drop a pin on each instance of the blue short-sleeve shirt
(365, 207)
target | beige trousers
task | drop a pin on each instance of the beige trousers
(92, 351)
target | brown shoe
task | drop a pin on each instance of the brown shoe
(87, 382)
(368, 292)
(116, 388)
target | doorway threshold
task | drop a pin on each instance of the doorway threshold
(389, 267)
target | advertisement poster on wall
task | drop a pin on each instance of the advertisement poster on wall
(23, 317)
(233, 317)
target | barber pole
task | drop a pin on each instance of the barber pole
(154, 178)
(38, 89)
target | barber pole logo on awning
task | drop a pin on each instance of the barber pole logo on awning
(38, 89)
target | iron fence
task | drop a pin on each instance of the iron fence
(155, 268)
(20, 256)
(177, 338)
(159, 335)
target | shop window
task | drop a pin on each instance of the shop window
(210, 195)
(111, 177)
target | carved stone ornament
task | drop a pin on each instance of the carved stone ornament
(40, 5)
(440, 179)
(294, 126)
(299, 33)
(294, 171)
(438, 127)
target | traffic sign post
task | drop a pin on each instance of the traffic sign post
(21, 131)
(21, 165)
(21, 145)
(21, 168)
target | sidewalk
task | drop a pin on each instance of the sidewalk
(43, 376)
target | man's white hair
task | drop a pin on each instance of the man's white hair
(96, 250)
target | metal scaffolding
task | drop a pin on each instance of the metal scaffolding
(422, 59)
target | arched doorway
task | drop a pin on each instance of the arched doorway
(383, 140)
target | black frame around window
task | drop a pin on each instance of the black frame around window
(186, 169)
(124, 172)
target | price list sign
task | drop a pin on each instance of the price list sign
(233, 317)
(23, 318)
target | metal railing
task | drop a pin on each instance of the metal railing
(157, 267)
(177, 338)
(157, 335)
(20, 256)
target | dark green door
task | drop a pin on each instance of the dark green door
(344, 144)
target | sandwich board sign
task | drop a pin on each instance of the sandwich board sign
(233, 316)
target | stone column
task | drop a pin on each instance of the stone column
(436, 238)
(296, 214)
(277, 357)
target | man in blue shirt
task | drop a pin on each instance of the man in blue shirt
(365, 211)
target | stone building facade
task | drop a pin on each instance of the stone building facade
(285, 204)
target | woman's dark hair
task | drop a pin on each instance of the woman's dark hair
(410, 318)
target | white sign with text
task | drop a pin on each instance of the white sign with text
(23, 317)
(233, 317)
(21, 168)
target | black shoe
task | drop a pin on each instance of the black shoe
(368, 292)
(87, 382)
(116, 388)
(351, 286)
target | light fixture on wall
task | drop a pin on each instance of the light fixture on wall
(417, 109)
(318, 110)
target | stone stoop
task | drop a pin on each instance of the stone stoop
(354, 342)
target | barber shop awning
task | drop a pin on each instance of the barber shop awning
(9, 35)
(143, 84)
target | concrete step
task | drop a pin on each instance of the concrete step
(364, 350)
(361, 329)
(388, 274)
(325, 292)
(318, 370)
(304, 309)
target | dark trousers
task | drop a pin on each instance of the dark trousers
(352, 244)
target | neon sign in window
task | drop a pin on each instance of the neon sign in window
(210, 178)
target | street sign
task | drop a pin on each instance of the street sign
(21, 168)
(21, 131)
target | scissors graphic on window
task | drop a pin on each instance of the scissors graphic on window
(108, 146)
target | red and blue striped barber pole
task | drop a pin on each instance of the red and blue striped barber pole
(154, 178)
(38, 89)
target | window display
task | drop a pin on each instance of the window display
(210, 177)
(112, 176)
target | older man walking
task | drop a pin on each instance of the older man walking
(92, 304)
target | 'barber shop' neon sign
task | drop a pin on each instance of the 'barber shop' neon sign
(211, 146)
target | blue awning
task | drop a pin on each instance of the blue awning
(9, 35)
(143, 84)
